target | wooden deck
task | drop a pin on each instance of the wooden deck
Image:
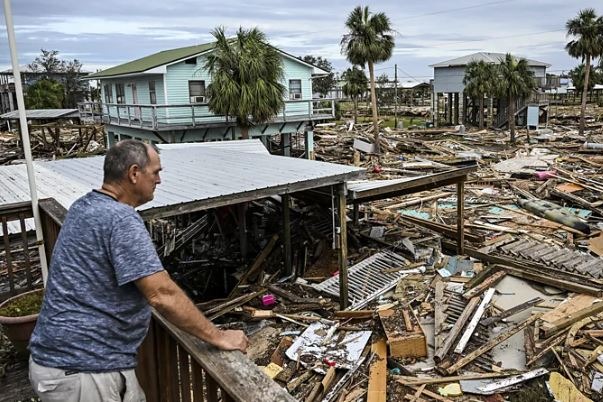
(190, 116)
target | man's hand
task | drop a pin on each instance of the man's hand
(231, 340)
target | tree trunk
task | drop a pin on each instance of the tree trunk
(481, 111)
(511, 117)
(245, 133)
(584, 94)
(374, 105)
(355, 98)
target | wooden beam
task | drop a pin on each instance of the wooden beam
(343, 247)
(460, 217)
(456, 330)
(416, 381)
(487, 283)
(377, 382)
(474, 321)
(286, 203)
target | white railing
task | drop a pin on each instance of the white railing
(155, 117)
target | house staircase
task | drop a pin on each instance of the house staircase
(521, 107)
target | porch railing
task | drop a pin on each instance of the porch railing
(174, 366)
(19, 258)
(191, 115)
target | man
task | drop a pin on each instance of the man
(103, 276)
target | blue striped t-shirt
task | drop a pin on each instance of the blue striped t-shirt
(94, 318)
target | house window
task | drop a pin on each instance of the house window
(196, 91)
(152, 93)
(120, 93)
(108, 94)
(295, 89)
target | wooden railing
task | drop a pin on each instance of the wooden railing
(191, 115)
(19, 258)
(174, 366)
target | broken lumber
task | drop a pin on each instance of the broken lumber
(402, 341)
(377, 382)
(456, 330)
(489, 282)
(462, 362)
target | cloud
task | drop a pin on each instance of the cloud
(115, 31)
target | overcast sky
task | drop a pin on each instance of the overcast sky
(105, 33)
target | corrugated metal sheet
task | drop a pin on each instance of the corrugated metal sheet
(363, 185)
(254, 146)
(42, 114)
(194, 173)
(494, 58)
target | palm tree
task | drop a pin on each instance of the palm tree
(587, 28)
(355, 85)
(246, 76)
(478, 81)
(516, 82)
(368, 41)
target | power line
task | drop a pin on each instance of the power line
(450, 10)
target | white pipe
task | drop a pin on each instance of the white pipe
(25, 138)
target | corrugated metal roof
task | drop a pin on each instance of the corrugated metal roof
(172, 55)
(253, 146)
(42, 114)
(363, 185)
(493, 58)
(200, 172)
(153, 60)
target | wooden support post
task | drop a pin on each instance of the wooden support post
(449, 118)
(309, 143)
(460, 218)
(343, 247)
(356, 216)
(456, 107)
(286, 144)
(286, 201)
(242, 212)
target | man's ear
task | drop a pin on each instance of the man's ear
(133, 173)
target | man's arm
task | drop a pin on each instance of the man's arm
(166, 297)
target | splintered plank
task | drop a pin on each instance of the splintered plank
(377, 385)
(462, 362)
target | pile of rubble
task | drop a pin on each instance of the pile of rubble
(518, 316)
(53, 141)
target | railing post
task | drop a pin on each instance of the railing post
(333, 108)
(154, 117)
(129, 116)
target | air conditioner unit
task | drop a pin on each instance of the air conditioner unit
(296, 95)
(197, 99)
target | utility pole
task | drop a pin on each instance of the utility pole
(395, 96)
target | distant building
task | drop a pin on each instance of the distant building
(8, 97)
(449, 103)
(163, 98)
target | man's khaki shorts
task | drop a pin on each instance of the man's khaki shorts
(56, 385)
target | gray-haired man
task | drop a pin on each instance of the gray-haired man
(103, 276)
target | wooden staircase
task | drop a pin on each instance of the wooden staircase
(521, 106)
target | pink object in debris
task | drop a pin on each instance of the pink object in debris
(268, 300)
(547, 174)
